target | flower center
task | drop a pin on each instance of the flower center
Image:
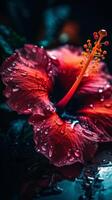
(92, 53)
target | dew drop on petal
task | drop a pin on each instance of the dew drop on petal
(38, 129)
(50, 73)
(15, 89)
(77, 153)
(13, 64)
(107, 86)
(71, 159)
(34, 50)
(53, 57)
(29, 109)
(62, 131)
(102, 99)
(59, 122)
(47, 107)
(100, 90)
(108, 105)
(68, 154)
(43, 148)
(11, 78)
(7, 94)
(46, 132)
(50, 153)
(24, 74)
(9, 69)
(45, 56)
(86, 74)
(49, 63)
(91, 105)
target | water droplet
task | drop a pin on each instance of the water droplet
(38, 150)
(29, 109)
(50, 108)
(11, 78)
(71, 159)
(9, 69)
(107, 86)
(34, 50)
(86, 74)
(46, 132)
(108, 105)
(15, 89)
(47, 107)
(105, 161)
(49, 63)
(68, 154)
(91, 105)
(50, 153)
(24, 74)
(43, 148)
(13, 64)
(59, 122)
(45, 56)
(7, 94)
(50, 73)
(53, 57)
(102, 99)
(100, 90)
(77, 153)
(38, 129)
(62, 131)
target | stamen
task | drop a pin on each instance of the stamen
(91, 54)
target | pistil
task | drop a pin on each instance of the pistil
(65, 100)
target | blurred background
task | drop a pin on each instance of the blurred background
(47, 23)
(51, 23)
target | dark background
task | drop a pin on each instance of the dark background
(43, 21)
(48, 23)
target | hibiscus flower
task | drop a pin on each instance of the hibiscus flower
(67, 95)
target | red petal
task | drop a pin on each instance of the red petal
(61, 143)
(70, 67)
(69, 60)
(27, 80)
(98, 118)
